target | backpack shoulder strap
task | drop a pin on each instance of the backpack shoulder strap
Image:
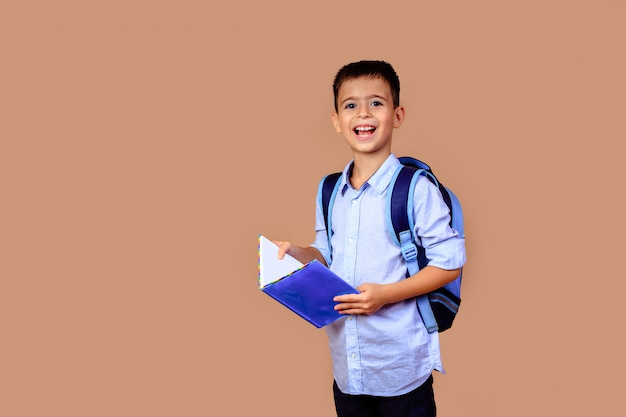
(401, 224)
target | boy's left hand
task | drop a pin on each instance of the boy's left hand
(368, 301)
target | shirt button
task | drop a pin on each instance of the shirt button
(350, 240)
(353, 355)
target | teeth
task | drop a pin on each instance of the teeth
(363, 129)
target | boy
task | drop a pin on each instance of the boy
(382, 355)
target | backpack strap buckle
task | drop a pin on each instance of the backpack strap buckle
(409, 251)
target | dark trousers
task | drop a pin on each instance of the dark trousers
(418, 403)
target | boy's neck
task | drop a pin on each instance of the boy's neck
(364, 167)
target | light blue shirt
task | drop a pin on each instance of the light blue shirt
(389, 353)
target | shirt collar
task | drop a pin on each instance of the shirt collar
(381, 178)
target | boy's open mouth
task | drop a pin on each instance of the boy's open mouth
(364, 131)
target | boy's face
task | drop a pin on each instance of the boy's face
(366, 116)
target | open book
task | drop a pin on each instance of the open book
(307, 290)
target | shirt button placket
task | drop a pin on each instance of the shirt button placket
(351, 329)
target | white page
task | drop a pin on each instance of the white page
(270, 267)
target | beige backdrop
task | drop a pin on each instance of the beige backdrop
(145, 144)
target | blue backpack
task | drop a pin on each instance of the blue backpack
(437, 308)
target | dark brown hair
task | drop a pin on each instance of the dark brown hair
(371, 69)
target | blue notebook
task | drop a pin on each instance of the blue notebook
(305, 289)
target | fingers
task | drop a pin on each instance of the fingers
(354, 308)
(349, 309)
(346, 309)
(361, 303)
(347, 298)
(283, 248)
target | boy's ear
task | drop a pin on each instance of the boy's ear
(334, 118)
(399, 116)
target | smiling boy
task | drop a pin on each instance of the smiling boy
(383, 357)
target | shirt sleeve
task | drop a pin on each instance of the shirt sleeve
(321, 236)
(444, 247)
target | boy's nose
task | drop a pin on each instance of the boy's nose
(364, 111)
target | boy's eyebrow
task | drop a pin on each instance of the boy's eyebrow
(367, 98)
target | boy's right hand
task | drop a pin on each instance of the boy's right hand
(283, 248)
(302, 254)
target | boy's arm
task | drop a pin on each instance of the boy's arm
(373, 297)
(302, 254)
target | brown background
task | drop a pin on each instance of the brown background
(145, 144)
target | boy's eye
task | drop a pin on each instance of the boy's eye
(376, 103)
(350, 106)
